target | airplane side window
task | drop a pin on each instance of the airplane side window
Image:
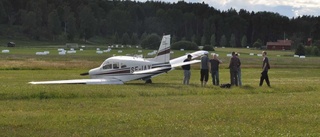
(115, 65)
(107, 66)
(123, 65)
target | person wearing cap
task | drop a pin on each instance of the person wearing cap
(215, 69)
(186, 71)
(204, 72)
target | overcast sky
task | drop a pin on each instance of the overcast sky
(289, 8)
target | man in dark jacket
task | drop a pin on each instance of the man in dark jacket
(186, 71)
(234, 67)
(204, 69)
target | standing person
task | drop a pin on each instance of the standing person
(239, 71)
(186, 71)
(215, 69)
(265, 68)
(233, 66)
(204, 72)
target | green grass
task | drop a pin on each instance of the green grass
(166, 108)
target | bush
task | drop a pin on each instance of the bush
(315, 51)
(187, 45)
(300, 50)
(258, 44)
(308, 50)
(208, 48)
(151, 42)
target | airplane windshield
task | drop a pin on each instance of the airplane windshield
(107, 66)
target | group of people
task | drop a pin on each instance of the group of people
(212, 66)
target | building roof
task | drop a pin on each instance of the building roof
(280, 43)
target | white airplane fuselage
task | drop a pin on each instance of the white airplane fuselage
(123, 68)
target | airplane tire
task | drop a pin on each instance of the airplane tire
(149, 81)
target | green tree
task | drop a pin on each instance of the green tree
(143, 36)
(66, 15)
(257, 44)
(134, 39)
(119, 20)
(54, 23)
(187, 45)
(315, 51)
(125, 38)
(316, 30)
(29, 23)
(208, 48)
(300, 50)
(2, 13)
(223, 41)
(116, 38)
(194, 39)
(151, 42)
(296, 40)
(244, 41)
(232, 41)
(174, 39)
(71, 28)
(203, 40)
(213, 42)
(206, 32)
(87, 23)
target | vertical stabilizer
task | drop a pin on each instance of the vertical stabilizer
(163, 54)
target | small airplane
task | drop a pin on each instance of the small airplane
(121, 69)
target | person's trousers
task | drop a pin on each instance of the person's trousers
(215, 77)
(264, 76)
(187, 75)
(204, 75)
(234, 77)
(239, 77)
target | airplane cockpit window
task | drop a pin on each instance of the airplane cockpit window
(107, 66)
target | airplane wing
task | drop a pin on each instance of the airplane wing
(185, 63)
(182, 58)
(154, 70)
(81, 81)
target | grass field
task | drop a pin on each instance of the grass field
(166, 108)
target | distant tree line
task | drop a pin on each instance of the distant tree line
(129, 22)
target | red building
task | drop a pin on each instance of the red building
(279, 45)
(309, 42)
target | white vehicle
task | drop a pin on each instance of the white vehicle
(121, 69)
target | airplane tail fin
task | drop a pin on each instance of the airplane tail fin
(163, 54)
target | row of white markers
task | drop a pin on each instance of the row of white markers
(72, 51)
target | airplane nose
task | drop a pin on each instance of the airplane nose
(94, 71)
